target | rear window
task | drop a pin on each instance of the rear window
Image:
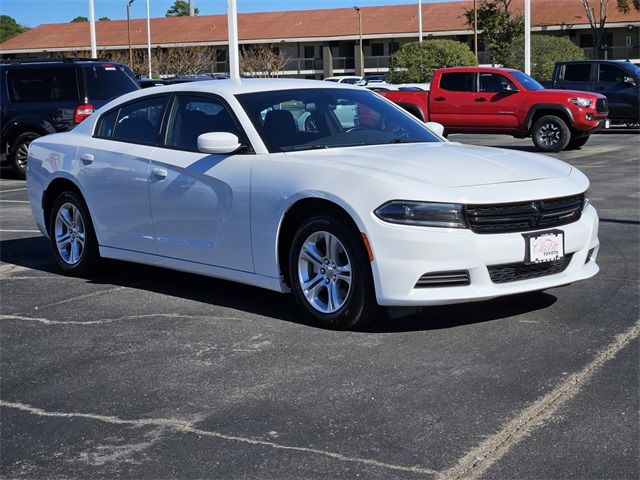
(577, 72)
(42, 84)
(457, 82)
(106, 81)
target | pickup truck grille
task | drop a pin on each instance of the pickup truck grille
(602, 106)
(524, 216)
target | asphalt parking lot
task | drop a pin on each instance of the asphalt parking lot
(146, 373)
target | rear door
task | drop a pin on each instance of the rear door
(496, 102)
(622, 96)
(577, 76)
(452, 102)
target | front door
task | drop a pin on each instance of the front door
(452, 103)
(496, 102)
(199, 201)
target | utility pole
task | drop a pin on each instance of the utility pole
(527, 37)
(234, 54)
(129, 32)
(92, 29)
(420, 20)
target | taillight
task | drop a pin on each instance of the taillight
(82, 111)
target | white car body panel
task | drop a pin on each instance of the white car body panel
(220, 215)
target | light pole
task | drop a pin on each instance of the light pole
(475, 29)
(129, 32)
(527, 37)
(360, 51)
(92, 29)
(149, 37)
(420, 20)
(234, 54)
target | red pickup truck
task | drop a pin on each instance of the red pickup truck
(501, 100)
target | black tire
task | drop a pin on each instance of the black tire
(19, 148)
(577, 142)
(358, 305)
(88, 256)
(550, 134)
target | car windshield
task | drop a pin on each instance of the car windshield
(314, 118)
(526, 81)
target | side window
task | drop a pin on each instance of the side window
(139, 122)
(577, 72)
(107, 124)
(457, 82)
(43, 85)
(191, 116)
(610, 74)
(494, 83)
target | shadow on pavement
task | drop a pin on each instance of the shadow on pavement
(34, 253)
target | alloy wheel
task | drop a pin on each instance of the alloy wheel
(70, 234)
(549, 134)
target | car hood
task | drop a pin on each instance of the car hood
(445, 164)
(565, 94)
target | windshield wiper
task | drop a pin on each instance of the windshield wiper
(319, 146)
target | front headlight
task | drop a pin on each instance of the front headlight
(426, 214)
(581, 102)
(587, 197)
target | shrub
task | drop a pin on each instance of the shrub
(546, 50)
(415, 62)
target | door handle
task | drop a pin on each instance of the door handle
(159, 173)
(87, 158)
(439, 99)
(481, 99)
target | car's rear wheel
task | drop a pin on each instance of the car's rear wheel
(550, 134)
(73, 240)
(330, 274)
(577, 141)
(20, 153)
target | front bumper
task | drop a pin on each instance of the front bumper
(402, 254)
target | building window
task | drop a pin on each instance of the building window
(221, 55)
(309, 51)
(377, 49)
(393, 47)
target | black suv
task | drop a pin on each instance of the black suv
(618, 80)
(38, 97)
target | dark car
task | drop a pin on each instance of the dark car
(39, 97)
(618, 80)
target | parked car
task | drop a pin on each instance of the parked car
(216, 178)
(618, 80)
(52, 95)
(502, 100)
(370, 79)
(350, 79)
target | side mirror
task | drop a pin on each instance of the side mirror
(218, 142)
(436, 128)
(630, 80)
(510, 89)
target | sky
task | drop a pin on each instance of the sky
(35, 12)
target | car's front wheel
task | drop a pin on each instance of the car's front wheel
(20, 153)
(550, 134)
(330, 274)
(73, 240)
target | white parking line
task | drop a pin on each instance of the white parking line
(15, 201)
(20, 231)
(13, 190)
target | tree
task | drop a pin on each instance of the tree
(104, 19)
(415, 62)
(624, 6)
(546, 50)
(9, 28)
(498, 26)
(79, 20)
(262, 61)
(180, 8)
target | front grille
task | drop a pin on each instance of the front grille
(602, 106)
(444, 279)
(524, 216)
(513, 272)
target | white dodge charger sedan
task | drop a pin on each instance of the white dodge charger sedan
(355, 212)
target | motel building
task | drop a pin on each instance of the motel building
(322, 43)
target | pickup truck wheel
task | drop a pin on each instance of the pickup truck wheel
(550, 134)
(20, 152)
(577, 141)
